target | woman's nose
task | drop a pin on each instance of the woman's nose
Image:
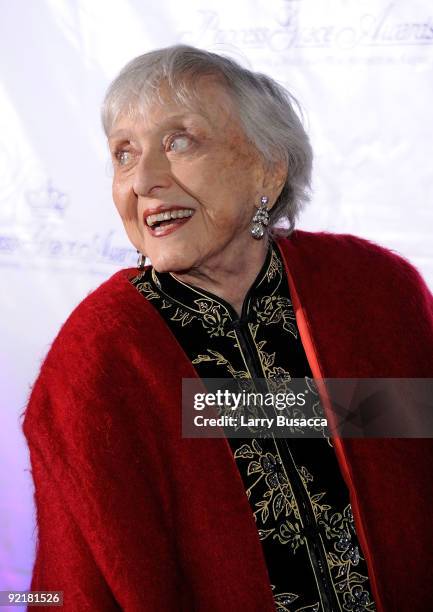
(152, 171)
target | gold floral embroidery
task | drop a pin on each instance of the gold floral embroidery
(267, 314)
(273, 310)
(275, 504)
(183, 316)
(214, 317)
(147, 290)
(274, 269)
(220, 360)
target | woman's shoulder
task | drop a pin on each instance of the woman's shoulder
(348, 254)
(95, 349)
(106, 323)
(335, 244)
(106, 309)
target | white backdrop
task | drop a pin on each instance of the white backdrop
(361, 69)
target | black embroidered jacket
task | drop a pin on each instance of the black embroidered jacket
(295, 488)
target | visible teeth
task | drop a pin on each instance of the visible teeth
(168, 214)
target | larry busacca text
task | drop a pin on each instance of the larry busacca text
(236, 410)
(269, 422)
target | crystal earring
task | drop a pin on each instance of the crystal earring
(261, 219)
(141, 262)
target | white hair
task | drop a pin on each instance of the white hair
(266, 111)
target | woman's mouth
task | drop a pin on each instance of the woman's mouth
(167, 221)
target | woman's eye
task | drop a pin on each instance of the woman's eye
(179, 143)
(122, 157)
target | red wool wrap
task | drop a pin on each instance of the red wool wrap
(132, 516)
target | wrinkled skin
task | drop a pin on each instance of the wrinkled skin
(196, 158)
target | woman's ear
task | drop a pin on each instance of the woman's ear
(274, 179)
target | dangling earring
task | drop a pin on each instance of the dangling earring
(141, 262)
(261, 219)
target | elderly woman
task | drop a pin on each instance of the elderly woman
(208, 157)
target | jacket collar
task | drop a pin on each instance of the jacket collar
(200, 302)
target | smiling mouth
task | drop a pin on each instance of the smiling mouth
(167, 217)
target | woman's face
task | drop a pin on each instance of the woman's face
(197, 169)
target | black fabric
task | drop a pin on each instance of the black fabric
(295, 488)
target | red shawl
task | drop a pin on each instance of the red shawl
(131, 515)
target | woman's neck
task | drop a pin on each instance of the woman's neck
(231, 279)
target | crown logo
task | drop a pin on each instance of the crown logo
(47, 201)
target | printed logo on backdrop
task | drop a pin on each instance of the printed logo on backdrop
(41, 236)
(343, 31)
